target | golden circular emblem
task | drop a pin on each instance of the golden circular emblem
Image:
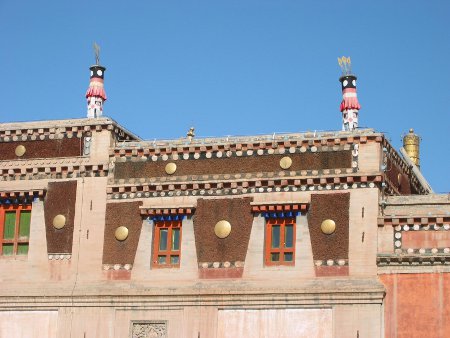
(121, 233)
(328, 226)
(20, 150)
(171, 168)
(59, 221)
(222, 229)
(286, 162)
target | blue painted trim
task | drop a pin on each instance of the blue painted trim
(287, 214)
(16, 201)
(168, 218)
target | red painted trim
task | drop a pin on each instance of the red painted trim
(268, 250)
(329, 271)
(219, 273)
(170, 225)
(18, 208)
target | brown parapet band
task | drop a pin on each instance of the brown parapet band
(233, 165)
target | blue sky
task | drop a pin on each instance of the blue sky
(234, 67)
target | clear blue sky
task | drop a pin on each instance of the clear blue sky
(234, 67)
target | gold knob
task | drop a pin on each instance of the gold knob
(171, 168)
(121, 233)
(20, 150)
(222, 229)
(286, 162)
(328, 226)
(59, 221)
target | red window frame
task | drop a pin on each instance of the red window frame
(169, 227)
(282, 250)
(16, 240)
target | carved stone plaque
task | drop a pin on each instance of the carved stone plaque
(149, 329)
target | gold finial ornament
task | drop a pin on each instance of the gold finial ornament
(222, 229)
(59, 221)
(411, 144)
(346, 65)
(20, 150)
(121, 233)
(170, 168)
(286, 162)
(328, 226)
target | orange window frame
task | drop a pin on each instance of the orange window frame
(169, 253)
(282, 250)
(18, 208)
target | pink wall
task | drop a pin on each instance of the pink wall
(417, 305)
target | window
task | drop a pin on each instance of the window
(14, 229)
(280, 241)
(167, 244)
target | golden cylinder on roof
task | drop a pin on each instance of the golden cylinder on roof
(411, 144)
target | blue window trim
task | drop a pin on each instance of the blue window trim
(283, 214)
(177, 217)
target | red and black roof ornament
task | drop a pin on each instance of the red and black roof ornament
(349, 106)
(96, 94)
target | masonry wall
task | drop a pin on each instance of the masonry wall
(192, 322)
(94, 286)
(413, 248)
(417, 304)
(109, 307)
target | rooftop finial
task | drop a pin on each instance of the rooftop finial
(97, 53)
(346, 65)
(349, 106)
(190, 134)
(411, 144)
(95, 94)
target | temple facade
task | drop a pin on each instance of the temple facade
(324, 234)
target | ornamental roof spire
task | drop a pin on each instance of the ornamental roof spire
(95, 93)
(349, 106)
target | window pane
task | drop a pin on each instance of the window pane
(288, 256)
(174, 259)
(10, 225)
(22, 249)
(175, 239)
(8, 249)
(161, 259)
(24, 223)
(275, 257)
(163, 239)
(289, 235)
(275, 236)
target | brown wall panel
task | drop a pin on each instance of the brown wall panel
(233, 165)
(65, 147)
(60, 199)
(336, 208)
(399, 179)
(233, 248)
(128, 215)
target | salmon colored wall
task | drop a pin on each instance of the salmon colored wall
(417, 305)
(425, 239)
